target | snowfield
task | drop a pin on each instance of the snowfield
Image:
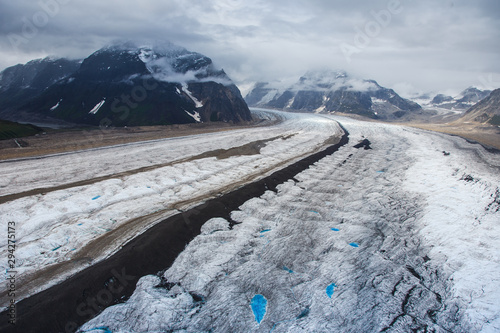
(401, 237)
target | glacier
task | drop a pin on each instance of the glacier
(131, 188)
(395, 238)
(427, 236)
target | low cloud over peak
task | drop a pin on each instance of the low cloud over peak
(427, 45)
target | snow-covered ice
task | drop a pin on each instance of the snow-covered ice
(426, 226)
(53, 227)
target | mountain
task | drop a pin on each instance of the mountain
(486, 111)
(333, 91)
(124, 84)
(20, 82)
(441, 99)
(465, 100)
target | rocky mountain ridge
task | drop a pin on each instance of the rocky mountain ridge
(334, 91)
(125, 84)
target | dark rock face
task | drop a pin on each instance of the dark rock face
(219, 101)
(21, 82)
(126, 85)
(307, 100)
(329, 91)
(350, 102)
(393, 98)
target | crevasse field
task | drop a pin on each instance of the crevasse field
(401, 237)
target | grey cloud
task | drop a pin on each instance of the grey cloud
(430, 45)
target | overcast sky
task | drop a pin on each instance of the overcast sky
(407, 45)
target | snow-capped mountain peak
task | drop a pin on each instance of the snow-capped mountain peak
(334, 80)
(332, 91)
(153, 83)
(324, 76)
(168, 62)
(462, 101)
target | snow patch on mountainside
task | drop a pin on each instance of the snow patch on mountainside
(56, 106)
(55, 226)
(185, 88)
(196, 116)
(97, 107)
(378, 100)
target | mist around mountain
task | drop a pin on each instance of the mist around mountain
(329, 91)
(462, 102)
(123, 84)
